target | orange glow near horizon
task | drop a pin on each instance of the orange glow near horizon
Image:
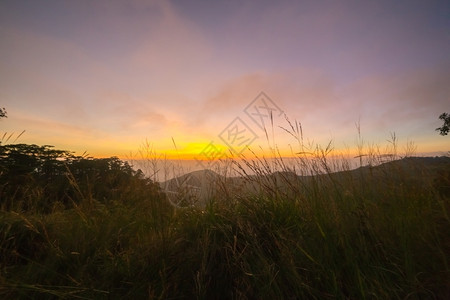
(163, 71)
(183, 149)
(199, 151)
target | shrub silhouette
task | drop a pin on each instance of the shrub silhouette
(38, 177)
(445, 128)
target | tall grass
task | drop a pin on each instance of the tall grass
(379, 232)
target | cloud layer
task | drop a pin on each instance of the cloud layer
(105, 76)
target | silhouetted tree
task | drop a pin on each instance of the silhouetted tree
(3, 113)
(36, 177)
(446, 127)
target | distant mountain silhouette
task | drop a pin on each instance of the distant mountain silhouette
(193, 179)
(192, 188)
(198, 187)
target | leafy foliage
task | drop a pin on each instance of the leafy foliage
(42, 178)
(3, 113)
(445, 128)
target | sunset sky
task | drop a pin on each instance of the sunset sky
(106, 76)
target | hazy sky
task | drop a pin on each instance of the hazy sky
(104, 76)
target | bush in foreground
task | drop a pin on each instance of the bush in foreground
(380, 232)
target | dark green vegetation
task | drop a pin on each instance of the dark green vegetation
(41, 179)
(444, 129)
(77, 227)
(3, 113)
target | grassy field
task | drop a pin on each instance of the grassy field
(377, 232)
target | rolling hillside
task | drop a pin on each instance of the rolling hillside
(199, 187)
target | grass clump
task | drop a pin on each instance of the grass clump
(377, 232)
